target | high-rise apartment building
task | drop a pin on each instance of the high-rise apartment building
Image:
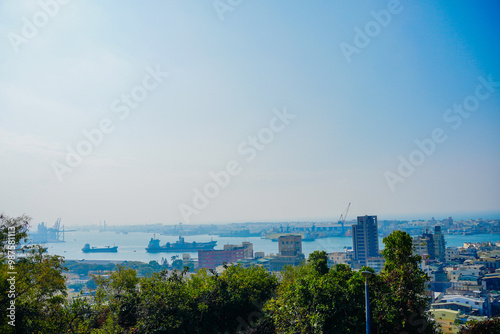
(430, 245)
(365, 239)
(439, 244)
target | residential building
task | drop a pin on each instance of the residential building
(290, 245)
(489, 260)
(451, 253)
(424, 245)
(259, 255)
(477, 303)
(340, 258)
(492, 281)
(279, 262)
(365, 239)
(456, 273)
(290, 252)
(431, 246)
(439, 244)
(247, 247)
(455, 306)
(448, 320)
(376, 263)
(210, 259)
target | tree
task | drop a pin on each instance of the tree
(401, 300)
(178, 264)
(319, 261)
(40, 292)
(118, 295)
(205, 302)
(310, 300)
(487, 326)
(16, 227)
(32, 284)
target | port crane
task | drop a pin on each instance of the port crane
(343, 217)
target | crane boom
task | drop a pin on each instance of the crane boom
(343, 216)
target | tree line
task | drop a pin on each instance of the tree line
(311, 298)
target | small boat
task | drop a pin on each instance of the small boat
(106, 249)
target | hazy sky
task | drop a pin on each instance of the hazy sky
(122, 110)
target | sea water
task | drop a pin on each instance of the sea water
(131, 246)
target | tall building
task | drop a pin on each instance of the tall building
(365, 239)
(424, 245)
(431, 245)
(439, 244)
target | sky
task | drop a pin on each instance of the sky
(222, 111)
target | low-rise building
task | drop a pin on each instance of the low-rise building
(455, 273)
(376, 263)
(290, 252)
(477, 303)
(492, 281)
(489, 260)
(258, 255)
(448, 320)
(245, 245)
(452, 254)
(340, 258)
(279, 262)
(210, 259)
(463, 308)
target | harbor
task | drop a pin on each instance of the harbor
(132, 245)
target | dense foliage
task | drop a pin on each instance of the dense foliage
(32, 290)
(401, 298)
(143, 269)
(488, 326)
(311, 298)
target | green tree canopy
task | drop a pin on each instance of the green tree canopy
(487, 326)
(402, 299)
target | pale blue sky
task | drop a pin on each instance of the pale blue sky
(353, 119)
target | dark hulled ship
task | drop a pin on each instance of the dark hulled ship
(179, 246)
(107, 249)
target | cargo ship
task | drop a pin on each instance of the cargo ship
(179, 246)
(106, 249)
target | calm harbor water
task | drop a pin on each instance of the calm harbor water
(131, 246)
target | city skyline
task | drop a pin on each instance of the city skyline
(197, 113)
